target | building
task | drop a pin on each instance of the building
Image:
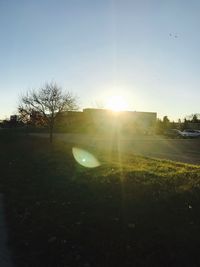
(14, 118)
(131, 121)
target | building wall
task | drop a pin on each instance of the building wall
(126, 120)
(106, 120)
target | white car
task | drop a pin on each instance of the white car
(190, 133)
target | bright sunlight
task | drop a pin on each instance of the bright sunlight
(116, 103)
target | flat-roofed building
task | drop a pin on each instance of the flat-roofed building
(105, 120)
(133, 121)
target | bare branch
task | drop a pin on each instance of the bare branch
(48, 102)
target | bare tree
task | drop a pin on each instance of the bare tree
(47, 104)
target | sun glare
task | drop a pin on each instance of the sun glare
(116, 103)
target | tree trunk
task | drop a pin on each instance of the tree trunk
(51, 133)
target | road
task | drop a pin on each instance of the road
(182, 150)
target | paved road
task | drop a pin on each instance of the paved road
(183, 150)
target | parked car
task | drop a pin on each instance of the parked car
(173, 133)
(190, 133)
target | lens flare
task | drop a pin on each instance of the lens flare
(85, 158)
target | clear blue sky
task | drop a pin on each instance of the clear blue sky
(147, 49)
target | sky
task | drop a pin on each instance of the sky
(145, 50)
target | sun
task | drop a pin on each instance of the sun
(116, 103)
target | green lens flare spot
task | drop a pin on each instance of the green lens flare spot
(85, 158)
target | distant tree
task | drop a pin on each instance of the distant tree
(46, 104)
(172, 125)
(163, 125)
(24, 116)
(159, 126)
(179, 124)
(166, 122)
(195, 118)
(185, 124)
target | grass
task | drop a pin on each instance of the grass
(130, 211)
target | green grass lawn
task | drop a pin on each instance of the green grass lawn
(130, 211)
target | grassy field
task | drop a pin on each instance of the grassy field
(130, 211)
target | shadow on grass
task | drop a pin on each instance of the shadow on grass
(141, 213)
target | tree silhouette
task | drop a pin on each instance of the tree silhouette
(166, 122)
(195, 118)
(46, 104)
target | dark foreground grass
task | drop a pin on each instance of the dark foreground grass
(130, 211)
